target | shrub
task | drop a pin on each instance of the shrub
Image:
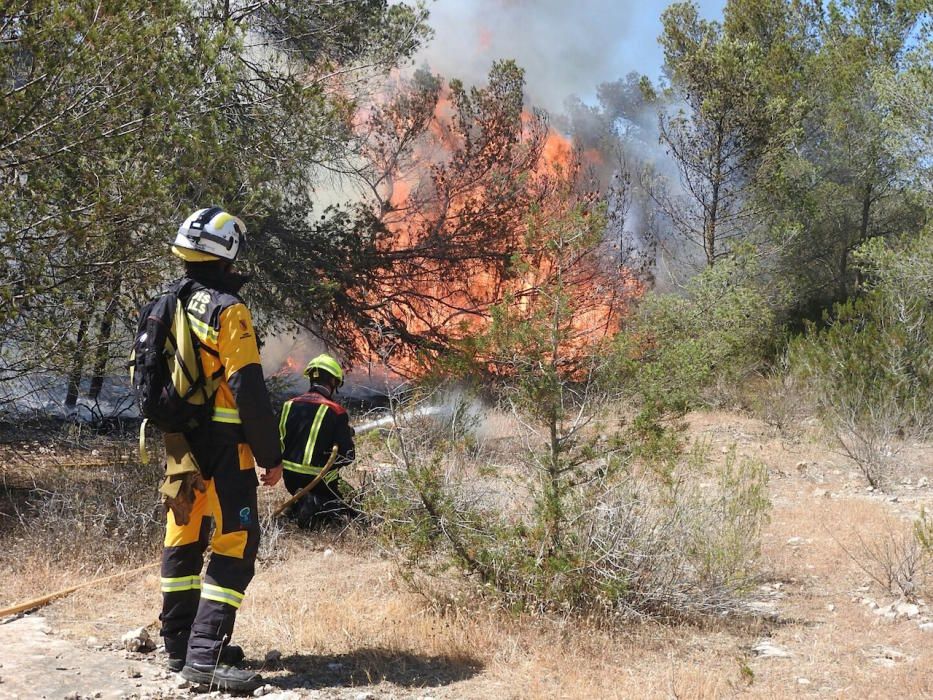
(870, 369)
(630, 545)
(720, 329)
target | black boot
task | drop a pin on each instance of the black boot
(222, 677)
(230, 655)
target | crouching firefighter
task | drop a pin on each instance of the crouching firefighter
(310, 426)
(211, 469)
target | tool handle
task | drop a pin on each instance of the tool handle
(305, 489)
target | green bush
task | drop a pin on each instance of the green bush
(719, 330)
(869, 370)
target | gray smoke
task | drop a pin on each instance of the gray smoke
(565, 46)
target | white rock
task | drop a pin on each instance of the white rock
(908, 610)
(180, 683)
(821, 493)
(769, 650)
(923, 482)
(263, 690)
(364, 696)
(927, 626)
(92, 641)
(887, 653)
(831, 607)
(795, 541)
(328, 552)
(137, 640)
(762, 607)
(803, 681)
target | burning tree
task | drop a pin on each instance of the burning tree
(450, 175)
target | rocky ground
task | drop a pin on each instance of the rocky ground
(343, 625)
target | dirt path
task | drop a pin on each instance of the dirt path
(38, 664)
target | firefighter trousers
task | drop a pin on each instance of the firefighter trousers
(198, 618)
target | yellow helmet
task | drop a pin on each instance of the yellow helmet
(326, 363)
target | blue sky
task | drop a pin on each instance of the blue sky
(566, 46)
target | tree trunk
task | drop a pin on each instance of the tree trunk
(103, 347)
(843, 285)
(77, 364)
(709, 234)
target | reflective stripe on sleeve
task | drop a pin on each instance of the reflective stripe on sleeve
(181, 583)
(310, 470)
(222, 595)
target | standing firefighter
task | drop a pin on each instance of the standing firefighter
(211, 468)
(310, 426)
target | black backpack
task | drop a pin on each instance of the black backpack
(172, 391)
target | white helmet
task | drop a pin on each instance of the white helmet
(209, 234)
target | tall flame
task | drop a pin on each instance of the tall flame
(454, 297)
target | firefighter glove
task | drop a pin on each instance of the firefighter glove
(182, 478)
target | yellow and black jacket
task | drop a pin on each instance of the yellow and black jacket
(310, 425)
(242, 411)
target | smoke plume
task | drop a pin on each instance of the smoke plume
(565, 47)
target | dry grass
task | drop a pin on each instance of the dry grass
(347, 621)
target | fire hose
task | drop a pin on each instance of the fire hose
(46, 599)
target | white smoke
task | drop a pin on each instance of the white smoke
(283, 353)
(566, 47)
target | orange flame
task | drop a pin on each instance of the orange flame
(435, 303)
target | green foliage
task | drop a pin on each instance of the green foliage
(119, 118)
(633, 545)
(842, 184)
(907, 99)
(720, 329)
(876, 351)
(869, 371)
